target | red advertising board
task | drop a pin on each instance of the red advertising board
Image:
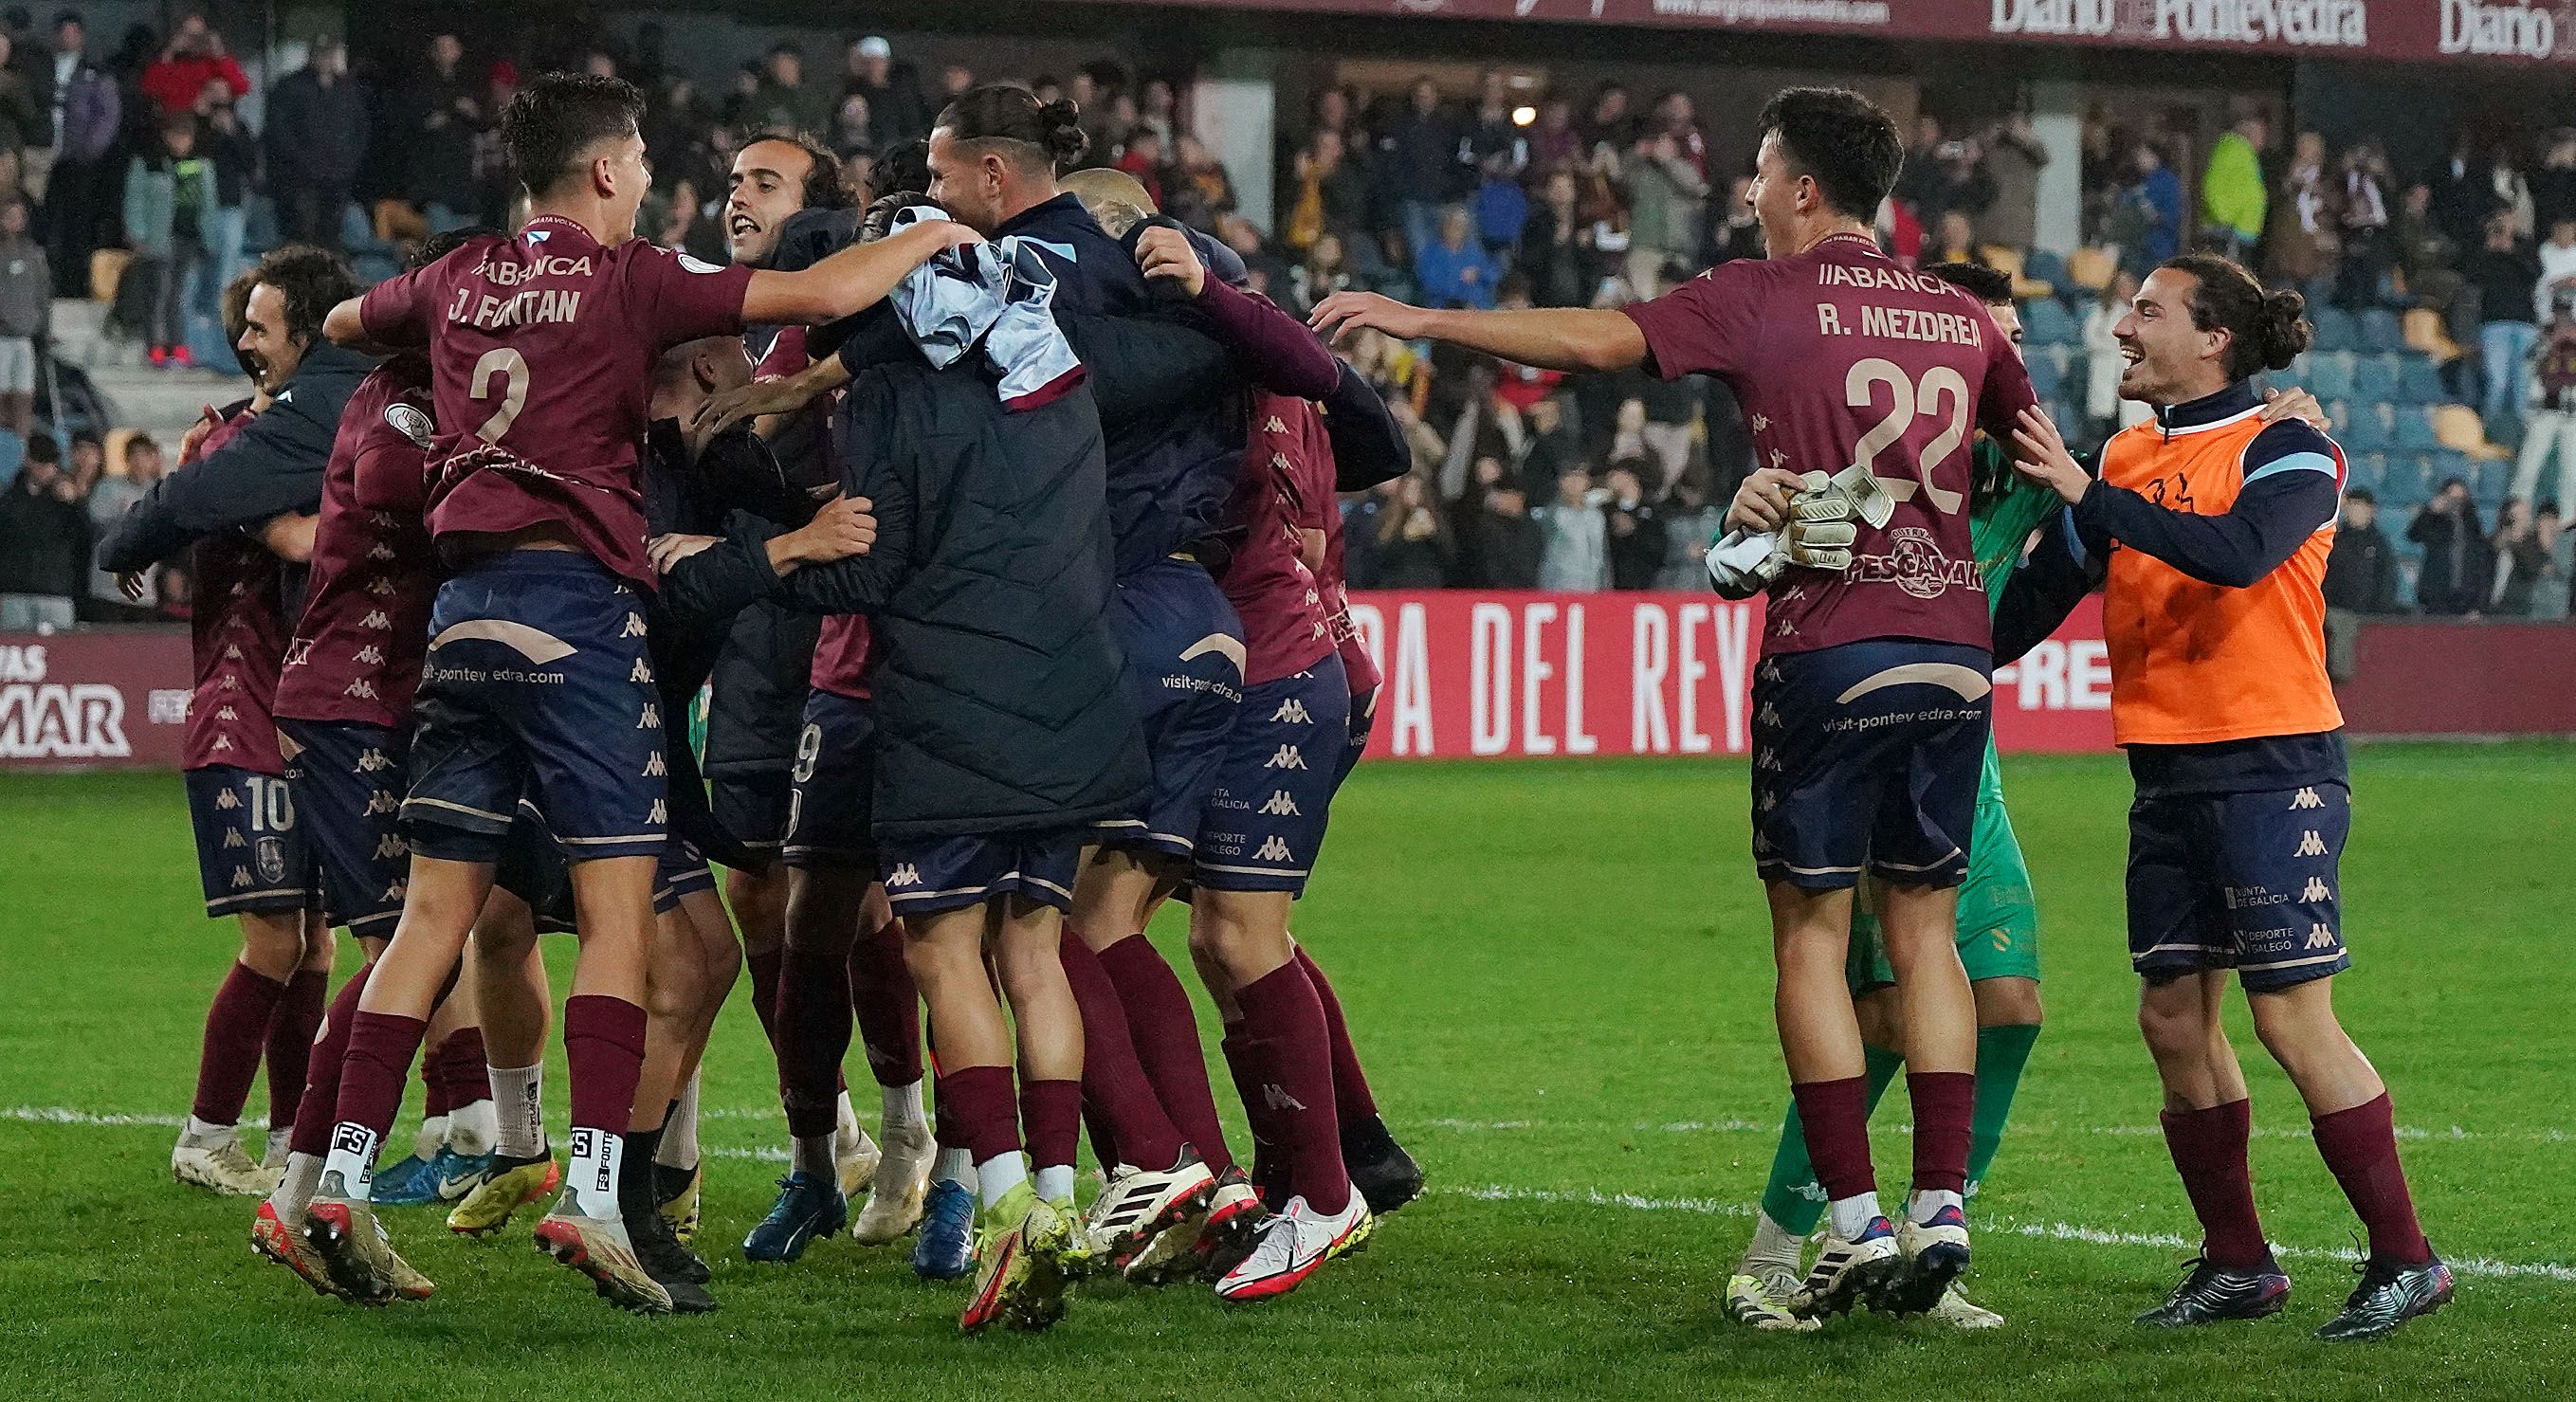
(2510, 31)
(86, 699)
(1473, 675)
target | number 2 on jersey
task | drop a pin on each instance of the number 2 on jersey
(512, 367)
(1907, 398)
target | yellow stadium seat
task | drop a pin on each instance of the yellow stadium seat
(2424, 332)
(2457, 426)
(2091, 268)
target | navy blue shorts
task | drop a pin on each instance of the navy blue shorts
(830, 804)
(2243, 881)
(680, 870)
(752, 809)
(1266, 819)
(251, 854)
(1867, 755)
(348, 779)
(537, 684)
(1184, 650)
(925, 876)
(1363, 720)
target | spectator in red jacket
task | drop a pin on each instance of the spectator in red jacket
(194, 57)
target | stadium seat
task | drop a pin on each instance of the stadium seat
(2379, 330)
(2335, 330)
(2425, 332)
(2047, 371)
(2091, 268)
(13, 455)
(2328, 375)
(2419, 380)
(2049, 323)
(2367, 471)
(2415, 431)
(2362, 427)
(2045, 266)
(2374, 378)
(2458, 426)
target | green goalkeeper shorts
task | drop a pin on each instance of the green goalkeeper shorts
(1998, 919)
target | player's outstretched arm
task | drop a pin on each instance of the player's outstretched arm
(762, 398)
(346, 327)
(851, 280)
(1549, 338)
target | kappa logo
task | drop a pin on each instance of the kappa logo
(381, 587)
(1274, 425)
(651, 719)
(2310, 845)
(1278, 1098)
(394, 894)
(360, 687)
(1768, 715)
(1280, 805)
(388, 847)
(382, 801)
(226, 713)
(227, 800)
(2307, 798)
(1770, 670)
(661, 813)
(1767, 759)
(232, 652)
(654, 768)
(1291, 712)
(372, 761)
(905, 874)
(241, 878)
(1289, 757)
(2317, 890)
(380, 552)
(377, 620)
(2319, 937)
(641, 673)
(233, 839)
(228, 682)
(370, 656)
(1761, 423)
(222, 743)
(1779, 458)
(299, 652)
(1767, 803)
(634, 626)
(1273, 850)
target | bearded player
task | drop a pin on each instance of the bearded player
(1873, 694)
(541, 350)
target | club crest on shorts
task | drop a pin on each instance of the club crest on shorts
(270, 853)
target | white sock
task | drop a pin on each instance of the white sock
(1055, 1183)
(1773, 1243)
(1928, 1202)
(845, 1117)
(350, 1170)
(431, 1137)
(952, 1166)
(473, 1129)
(813, 1153)
(903, 1109)
(198, 1134)
(590, 1176)
(680, 1131)
(273, 1150)
(295, 1187)
(518, 1112)
(998, 1175)
(1852, 1215)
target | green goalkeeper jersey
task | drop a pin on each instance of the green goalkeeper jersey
(2002, 513)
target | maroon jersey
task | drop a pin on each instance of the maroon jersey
(844, 654)
(541, 349)
(357, 649)
(237, 640)
(1320, 510)
(1282, 608)
(1841, 355)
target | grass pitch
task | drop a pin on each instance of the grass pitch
(1559, 976)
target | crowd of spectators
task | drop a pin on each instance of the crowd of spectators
(1506, 196)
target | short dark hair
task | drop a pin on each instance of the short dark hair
(1033, 134)
(557, 116)
(2362, 495)
(41, 447)
(1843, 141)
(2266, 330)
(882, 210)
(312, 280)
(904, 166)
(1992, 286)
(444, 242)
(825, 186)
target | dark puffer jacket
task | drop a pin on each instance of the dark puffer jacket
(1000, 704)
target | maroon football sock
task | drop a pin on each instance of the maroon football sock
(381, 1046)
(1351, 1098)
(977, 1106)
(1944, 1103)
(764, 990)
(1836, 1116)
(1052, 1110)
(2360, 1147)
(461, 1064)
(1166, 1035)
(2208, 1148)
(1129, 1124)
(290, 1043)
(319, 1110)
(1269, 1136)
(236, 1032)
(812, 1034)
(604, 1056)
(1285, 1021)
(887, 1005)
